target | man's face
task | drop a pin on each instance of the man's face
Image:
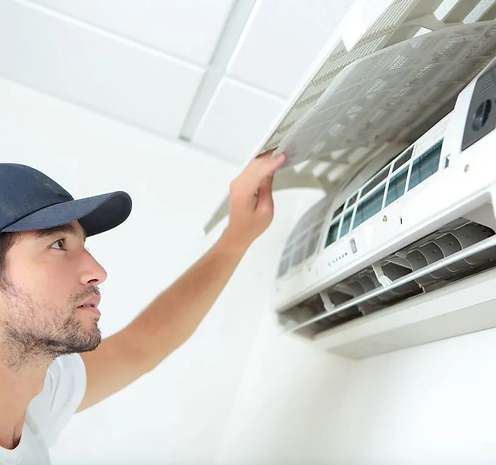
(48, 276)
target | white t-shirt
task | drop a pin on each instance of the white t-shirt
(49, 412)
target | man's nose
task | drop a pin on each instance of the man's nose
(93, 272)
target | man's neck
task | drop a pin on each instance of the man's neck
(17, 389)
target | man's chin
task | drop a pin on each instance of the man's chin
(93, 341)
(80, 347)
(87, 341)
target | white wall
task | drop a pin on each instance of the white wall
(287, 405)
(432, 404)
(204, 394)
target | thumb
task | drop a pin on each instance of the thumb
(279, 161)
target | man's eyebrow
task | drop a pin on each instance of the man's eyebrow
(65, 228)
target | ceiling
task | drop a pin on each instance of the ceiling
(215, 75)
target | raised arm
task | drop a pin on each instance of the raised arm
(175, 314)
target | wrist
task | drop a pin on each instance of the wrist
(233, 242)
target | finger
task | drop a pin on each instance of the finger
(266, 154)
(260, 169)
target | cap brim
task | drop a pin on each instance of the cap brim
(96, 214)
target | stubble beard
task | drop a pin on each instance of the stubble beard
(35, 332)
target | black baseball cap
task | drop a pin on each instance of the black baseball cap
(30, 200)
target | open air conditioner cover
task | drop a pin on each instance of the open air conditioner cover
(408, 62)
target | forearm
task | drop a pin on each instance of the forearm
(176, 313)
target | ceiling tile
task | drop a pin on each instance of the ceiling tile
(94, 70)
(282, 39)
(237, 120)
(186, 28)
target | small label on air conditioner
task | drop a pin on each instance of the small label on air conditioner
(353, 246)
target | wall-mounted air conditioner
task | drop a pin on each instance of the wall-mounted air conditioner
(396, 123)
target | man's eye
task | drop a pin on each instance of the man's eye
(58, 244)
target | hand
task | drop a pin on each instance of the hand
(251, 204)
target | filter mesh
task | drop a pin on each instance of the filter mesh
(376, 92)
(374, 99)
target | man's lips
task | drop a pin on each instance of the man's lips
(91, 302)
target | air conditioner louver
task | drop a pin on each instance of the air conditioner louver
(335, 305)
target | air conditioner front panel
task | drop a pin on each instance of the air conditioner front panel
(382, 97)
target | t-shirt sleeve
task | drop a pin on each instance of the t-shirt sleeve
(62, 393)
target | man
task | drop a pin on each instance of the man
(52, 359)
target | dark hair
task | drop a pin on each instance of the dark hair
(7, 240)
